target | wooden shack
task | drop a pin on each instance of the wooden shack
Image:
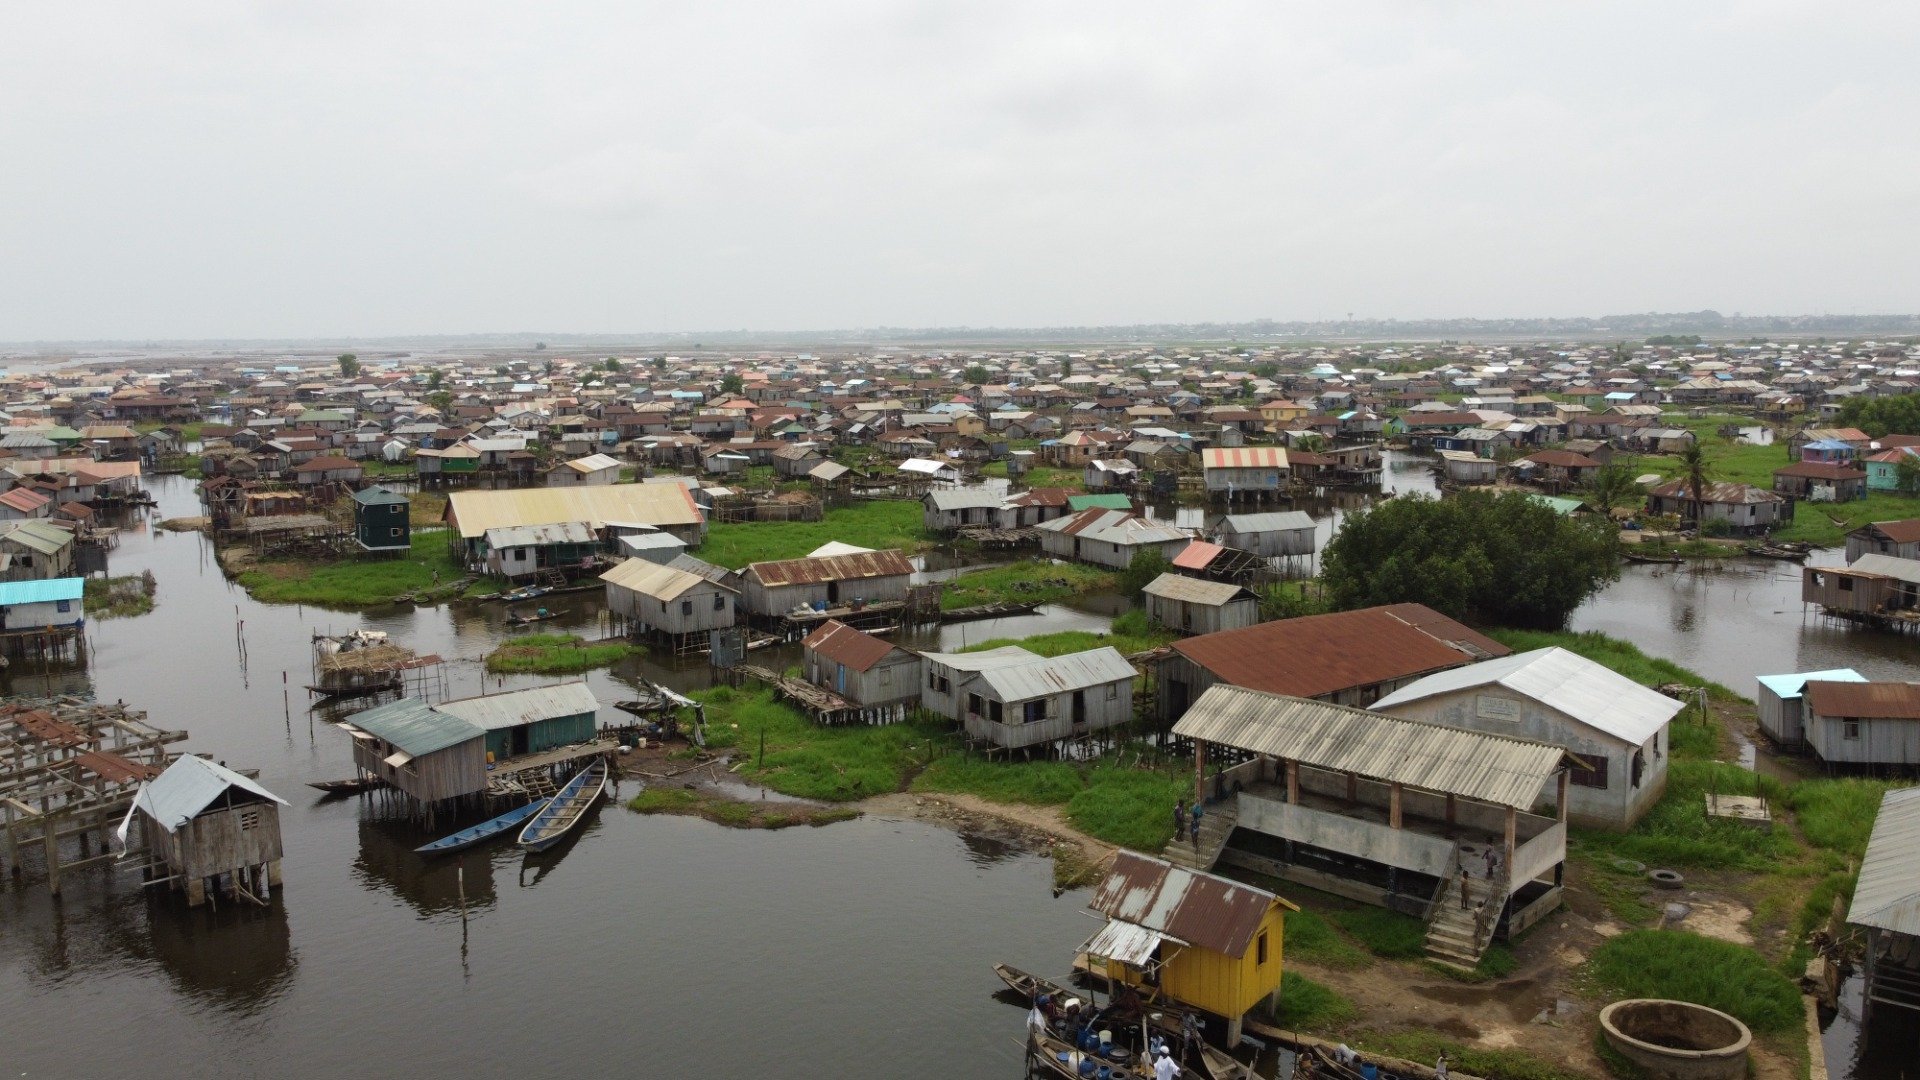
(431, 757)
(1273, 535)
(1900, 539)
(1887, 906)
(778, 586)
(530, 721)
(1013, 699)
(1193, 606)
(1782, 703)
(1109, 538)
(1873, 724)
(1205, 941)
(210, 828)
(1873, 585)
(1247, 470)
(662, 599)
(381, 521)
(860, 667)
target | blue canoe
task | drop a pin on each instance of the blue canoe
(565, 810)
(482, 832)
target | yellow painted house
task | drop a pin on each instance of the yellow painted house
(1280, 412)
(1206, 941)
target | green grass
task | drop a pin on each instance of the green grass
(1384, 933)
(556, 654)
(1678, 833)
(1041, 475)
(1126, 806)
(1130, 634)
(877, 525)
(1837, 815)
(732, 812)
(1313, 938)
(118, 597)
(1687, 967)
(354, 583)
(1306, 1005)
(832, 764)
(1622, 657)
(1426, 1046)
(1032, 582)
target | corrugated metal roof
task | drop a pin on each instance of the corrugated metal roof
(654, 580)
(1105, 500)
(1278, 521)
(1325, 654)
(692, 564)
(1045, 676)
(1566, 681)
(1208, 911)
(517, 707)
(190, 785)
(40, 592)
(844, 645)
(1195, 591)
(828, 471)
(965, 499)
(1244, 457)
(42, 536)
(558, 532)
(1197, 555)
(655, 504)
(1869, 700)
(835, 547)
(378, 496)
(1888, 893)
(1491, 768)
(593, 463)
(1000, 656)
(1891, 566)
(412, 725)
(1787, 687)
(1113, 527)
(1124, 942)
(877, 564)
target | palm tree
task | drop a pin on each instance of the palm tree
(1611, 485)
(1693, 466)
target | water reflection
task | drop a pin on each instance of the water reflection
(239, 957)
(430, 886)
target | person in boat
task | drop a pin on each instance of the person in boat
(1164, 1067)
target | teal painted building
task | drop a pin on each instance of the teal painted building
(381, 521)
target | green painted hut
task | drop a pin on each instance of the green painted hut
(380, 520)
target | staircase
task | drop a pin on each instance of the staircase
(1457, 937)
(1215, 826)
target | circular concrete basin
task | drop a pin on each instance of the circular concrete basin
(1677, 1040)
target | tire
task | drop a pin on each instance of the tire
(1666, 879)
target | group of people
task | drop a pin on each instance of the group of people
(1186, 823)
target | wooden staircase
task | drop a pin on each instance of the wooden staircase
(1215, 826)
(1458, 937)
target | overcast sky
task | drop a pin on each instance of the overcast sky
(317, 168)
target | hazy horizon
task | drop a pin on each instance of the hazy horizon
(230, 171)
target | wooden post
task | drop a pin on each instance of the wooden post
(1199, 772)
(1353, 787)
(1513, 817)
(1561, 799)
(1393, 805)
(1293, 781)
(1450, 808)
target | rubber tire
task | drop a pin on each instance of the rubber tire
(1666, 879)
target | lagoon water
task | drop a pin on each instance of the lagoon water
(645, 947)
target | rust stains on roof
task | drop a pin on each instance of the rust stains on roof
(1871, 700)
(1211, 912)
(1244, 457)
(813, 571)
(1321, 655)
(848, 647)
(1904, 531)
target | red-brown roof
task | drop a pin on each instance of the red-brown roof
(1214, 913)
(1873, 700)
(1821, 470)
(1319, 655)
(326, 463)
(1904, 531)
(1197, 555)
(846, 646)
(1562, 459)
(871, 564)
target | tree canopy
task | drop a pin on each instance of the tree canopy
(976, 375)
(732, 383)
(349, 364)
(1482, 558)
(1877, 416)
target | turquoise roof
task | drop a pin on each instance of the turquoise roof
(40, 592)
(414, 726)
(1789, 686)
(1105, 501)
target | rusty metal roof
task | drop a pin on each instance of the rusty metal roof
(875, 564)
(1205, 910)
(1244, 457)
(113, 768)
(1197, 555)
(1904, 531)
(1325, 654)
(848, 647)
(1472, 765)
(43, 726)
(1871, 700)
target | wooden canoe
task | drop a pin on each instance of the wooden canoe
(481, 833)
(1222, 1066)
(348, 787)
(564, 810)
(1024, 983)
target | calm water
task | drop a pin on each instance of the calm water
(648, 946)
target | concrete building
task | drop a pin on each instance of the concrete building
(1614, 727)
